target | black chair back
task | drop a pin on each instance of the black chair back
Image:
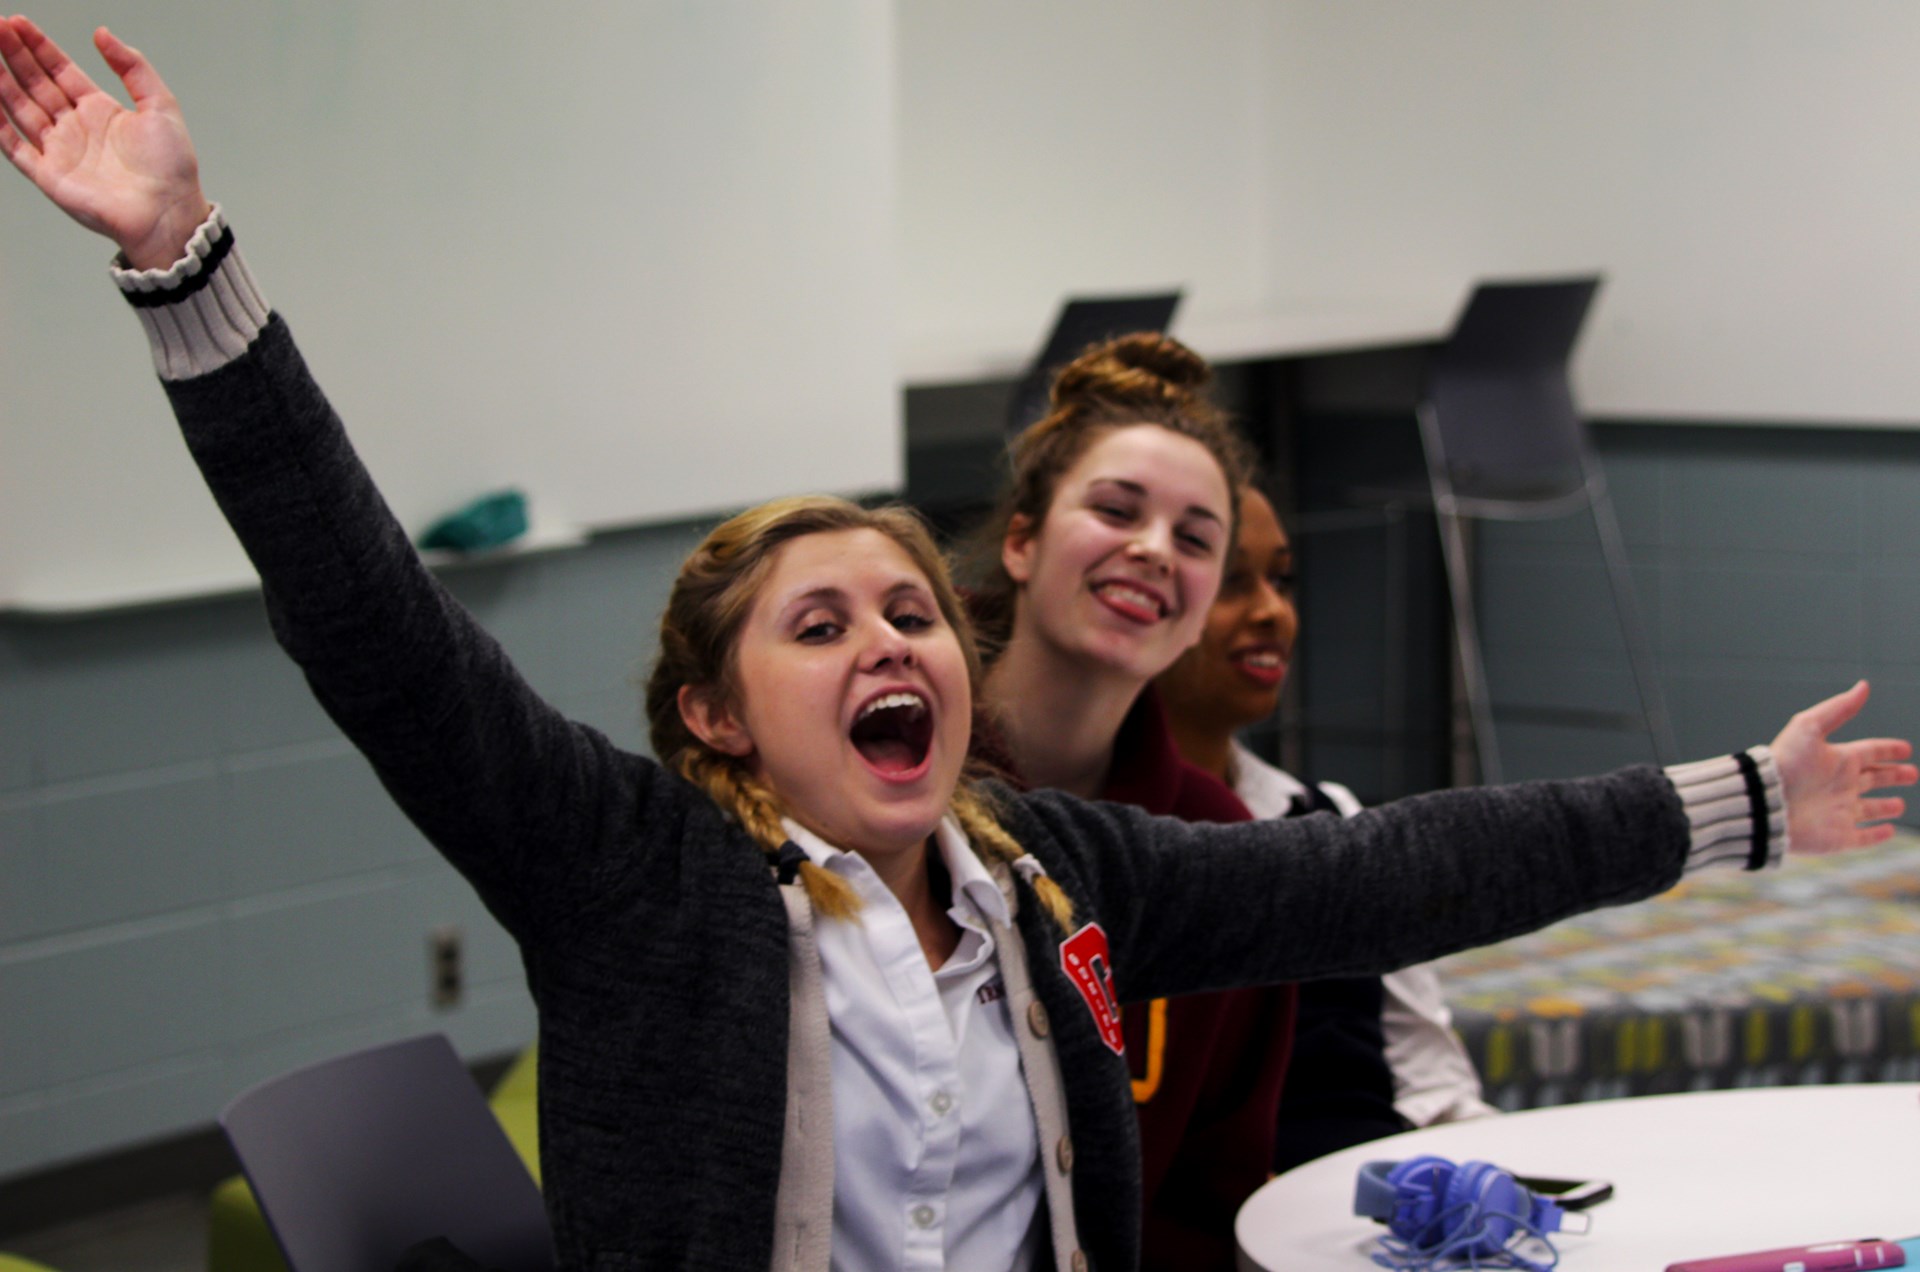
(1500, 396)
(1084, 321)
(356, 1159)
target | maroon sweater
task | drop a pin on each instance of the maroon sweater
(1207, 1127)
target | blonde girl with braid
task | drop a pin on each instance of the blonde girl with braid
(701, 629)
(809, 997)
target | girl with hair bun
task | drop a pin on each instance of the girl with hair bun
(1099, 402)
(808, 997)
(1102, 563)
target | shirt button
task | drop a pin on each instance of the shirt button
(1064, 1154)
(940, 1103)
(922, 1216)
(1037, 1019)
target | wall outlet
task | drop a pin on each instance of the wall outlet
(446, 966)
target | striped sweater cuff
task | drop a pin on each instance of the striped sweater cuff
(201, 313)
(1736, 809)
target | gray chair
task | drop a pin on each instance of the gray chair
(359, 1158)
(1505, 441)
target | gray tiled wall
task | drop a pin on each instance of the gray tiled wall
(202, 885)
(1773, 566)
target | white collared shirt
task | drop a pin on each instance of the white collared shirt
(936, 1156)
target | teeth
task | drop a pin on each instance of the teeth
(892, 700)
(1261, 658)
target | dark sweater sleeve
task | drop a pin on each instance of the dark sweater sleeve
(1192, 907)
(520, 799)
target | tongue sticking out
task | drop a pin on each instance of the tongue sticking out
(894, 739)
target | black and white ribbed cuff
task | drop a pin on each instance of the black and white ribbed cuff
(203, 311)
(1736, 809)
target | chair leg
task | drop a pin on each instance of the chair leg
(1626, 605)
(1466, 635)
(1466, 630)
(1393, 676)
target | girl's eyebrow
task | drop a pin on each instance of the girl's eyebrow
(823, 594)
(834, 594)
(1135, 488)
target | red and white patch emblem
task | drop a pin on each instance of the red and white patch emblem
(1085, 960)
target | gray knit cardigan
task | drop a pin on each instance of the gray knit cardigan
(656, 943)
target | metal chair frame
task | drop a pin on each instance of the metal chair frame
(1553, 394)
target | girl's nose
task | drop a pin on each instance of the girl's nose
(1152, 547)
(1274, 607)
(886, 646)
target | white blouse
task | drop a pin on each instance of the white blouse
(935, 1150)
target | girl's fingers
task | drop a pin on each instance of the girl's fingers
(143, 83)
(37, 69)
(66, 73)
(1868, 835)
(16, 105)
(17, 151)
(1837, 710)
(1875, 776)
(1880, 750)
(20, 106)
(1874, 810)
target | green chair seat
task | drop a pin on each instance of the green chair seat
(237, 1236)
(520, 1120)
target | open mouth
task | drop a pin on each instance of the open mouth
(893, 733)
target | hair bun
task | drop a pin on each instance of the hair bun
(1144, 368)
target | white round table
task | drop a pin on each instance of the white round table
(1695, 1175)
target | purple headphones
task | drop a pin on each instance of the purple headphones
(1436, 1211)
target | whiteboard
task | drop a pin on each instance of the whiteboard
(634, 258)
(1744, 172)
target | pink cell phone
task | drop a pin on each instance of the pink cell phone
(1829, 1256)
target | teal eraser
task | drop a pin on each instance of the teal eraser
(492, 521)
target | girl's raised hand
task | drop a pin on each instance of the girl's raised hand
(128, 174)
(1828, 784)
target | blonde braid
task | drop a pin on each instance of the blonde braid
(977, 818)
(758, 812)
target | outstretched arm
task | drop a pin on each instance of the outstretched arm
(538, 812)
(1829, 785)
(1188, 907)
(130, 175)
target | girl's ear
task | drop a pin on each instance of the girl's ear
(713, 721)
(1016, 549)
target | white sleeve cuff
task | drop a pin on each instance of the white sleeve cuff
(1737, 811)
(203, 311)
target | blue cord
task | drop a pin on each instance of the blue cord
(1454, 1248)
